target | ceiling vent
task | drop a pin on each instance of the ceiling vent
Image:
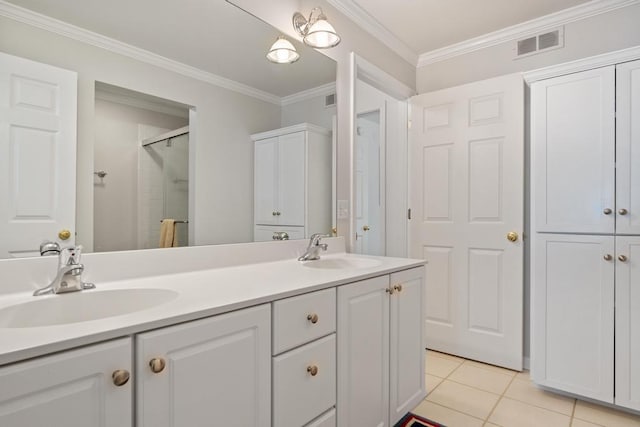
(540, 43)
(330, 100)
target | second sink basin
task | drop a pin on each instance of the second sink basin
(81, 307)
(342, 263)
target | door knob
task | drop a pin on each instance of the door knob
(157, 365)
(365, 228)
(607, 211)
(120, 377)
(622, 258)
(64, 234)
(623, 211)
(608, 257)
(512, 236)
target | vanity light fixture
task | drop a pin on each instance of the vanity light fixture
(282, 52)
(315, 31)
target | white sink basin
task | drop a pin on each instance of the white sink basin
(342, 263)
(81, 307)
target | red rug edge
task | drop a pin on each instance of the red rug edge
(411, 417)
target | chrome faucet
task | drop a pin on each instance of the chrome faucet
(313, 250)
(69, 275)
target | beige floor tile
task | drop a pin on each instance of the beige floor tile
(511, 413)
(462, 398)
(605, 416)
(579, 423)
(445, 356)
(524, 376)
(484, 379)
(526, 391)
(439, 366)
(432, 382)
(446, 416)
(491, 367)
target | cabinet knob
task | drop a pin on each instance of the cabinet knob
(313, 318)
(390, 291)
(512, 236)
(277, 213)
(398, 288)
(623, 211)
(313, 370)
(120, 377)
(622, 258)
(607, 211)
(273, 213)
(608, 257)
(157, 365)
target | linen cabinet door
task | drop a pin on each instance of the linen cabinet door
(363, 353)
(214, 371)
(573, 314)
(75, 388)
(628, 159)
(266, 181)
(628, 322)
(291, 179)
(407, 342)
(573, 149)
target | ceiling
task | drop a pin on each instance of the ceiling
(426, 25)
(211, 35)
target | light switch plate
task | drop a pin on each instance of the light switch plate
(343, 209)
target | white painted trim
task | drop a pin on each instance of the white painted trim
(290, 129)
(534, 26)
(369, 73)
(314, 92)
(590, 63)
(47, 23)
(132, 101)
(367, 22)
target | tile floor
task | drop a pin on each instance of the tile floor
(464, 393)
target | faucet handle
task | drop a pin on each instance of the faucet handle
(71, 255)
(316, 237)
(49, 248)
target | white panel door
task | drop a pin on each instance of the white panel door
(573, 302)
(72, 389)
(38, 117)
(265, 180)
(407, 343)
(363, 354)
(627, 361)
(573, 150)
(216, 369)
(467, 159)
(291, 178)
(628, 159)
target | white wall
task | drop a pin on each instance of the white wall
(223, 150)
(310, 110)
(599, 34)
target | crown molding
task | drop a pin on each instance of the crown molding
(367, 22)
(610, 58)
(47, 23)
(314, 92)
(566, 16)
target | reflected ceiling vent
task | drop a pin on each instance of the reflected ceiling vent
(330, 100)
(540, 43)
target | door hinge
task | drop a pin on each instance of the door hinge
(409, 213)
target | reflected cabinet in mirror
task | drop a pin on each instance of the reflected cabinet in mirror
(162, 126)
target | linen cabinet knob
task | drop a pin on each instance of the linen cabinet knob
(608, 257)
(157, 365)
(313, 370)
(398, 288)
(623, 211)
(607, 211)
(313, 318)
(120, 377)
(622, 258)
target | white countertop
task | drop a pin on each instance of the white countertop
(201, 293)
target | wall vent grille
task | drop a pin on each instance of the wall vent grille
(540, 43)
(330, 100)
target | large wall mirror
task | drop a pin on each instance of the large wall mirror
(172, 98)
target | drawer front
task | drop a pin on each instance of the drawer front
(293, 319)
(328, 419)
(299, 396)
(264, 233)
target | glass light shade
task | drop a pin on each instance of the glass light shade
(282, 52)
(321, 35)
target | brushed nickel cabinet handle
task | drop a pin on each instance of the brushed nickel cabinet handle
(608, 257)
(313, 318)
(313, 370)
(157, 365)
(120, 377)
(623, 258)
(398, 288)
(607, 211)
(623, 211)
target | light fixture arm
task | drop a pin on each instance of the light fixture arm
(302, 24)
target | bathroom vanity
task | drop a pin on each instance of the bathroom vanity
(235, 335)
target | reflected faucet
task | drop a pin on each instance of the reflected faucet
(69, 275)
(313, 250)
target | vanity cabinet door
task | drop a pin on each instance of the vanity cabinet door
(214, 371)
(75, 388)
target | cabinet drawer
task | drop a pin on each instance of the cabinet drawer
(299, 396)
(293, 319)
(328, 419)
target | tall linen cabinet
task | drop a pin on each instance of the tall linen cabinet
(585, 190)
(292, 181)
